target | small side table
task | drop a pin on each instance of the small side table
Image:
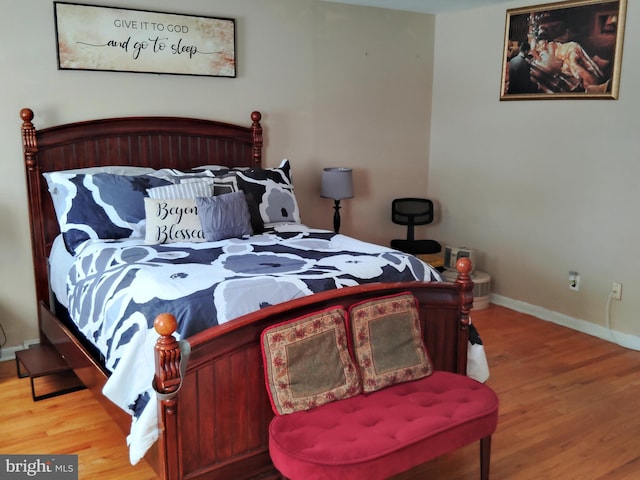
(43, 360)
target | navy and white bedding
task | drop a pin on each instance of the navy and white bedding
(115, 289)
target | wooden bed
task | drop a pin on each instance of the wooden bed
(213, 422)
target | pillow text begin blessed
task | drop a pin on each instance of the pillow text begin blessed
(171, 221)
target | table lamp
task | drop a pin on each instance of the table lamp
(337, 184)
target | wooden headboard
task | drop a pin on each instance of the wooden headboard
(156, 142)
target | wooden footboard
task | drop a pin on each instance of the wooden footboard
(215, 426)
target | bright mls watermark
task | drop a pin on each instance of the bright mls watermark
(25, 467)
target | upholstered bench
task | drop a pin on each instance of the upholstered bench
(377, 435)
(355, 396)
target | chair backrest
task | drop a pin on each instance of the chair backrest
(410, 212)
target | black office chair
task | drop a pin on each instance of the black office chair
(411, 212)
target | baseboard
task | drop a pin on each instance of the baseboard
(622, 339)
(9, 353)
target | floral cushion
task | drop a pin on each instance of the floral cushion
(270, 188)
(307, 362)
(387, 341)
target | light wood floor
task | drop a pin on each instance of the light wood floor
(569, 411)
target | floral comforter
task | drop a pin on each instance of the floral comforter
(116, 289)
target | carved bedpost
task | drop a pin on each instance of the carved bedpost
(29, 143)
(168, 377)
(166, 382)
(256, 129)
(38, 244)
(464, 268)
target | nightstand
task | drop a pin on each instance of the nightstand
(44, 361)
(436, 260)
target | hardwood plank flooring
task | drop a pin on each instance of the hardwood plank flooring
(74, 423)
(568, 405)
(568, 411)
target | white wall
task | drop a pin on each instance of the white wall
(539, 188)
(337, 85)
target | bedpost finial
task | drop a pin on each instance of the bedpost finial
(26, 114)
(165, 324)
(464, 265)
(256, 130)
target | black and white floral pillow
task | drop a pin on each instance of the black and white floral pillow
(272, 190)
(99, 205)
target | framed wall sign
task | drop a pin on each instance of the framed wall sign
(570, 49)
(91, 37)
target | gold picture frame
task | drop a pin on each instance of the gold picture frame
(563, 50)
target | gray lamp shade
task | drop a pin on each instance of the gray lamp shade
(337, 183)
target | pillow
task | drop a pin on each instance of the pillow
(307, 362)
(387, 341)
(257, 224)
(181, 176)
(225, 184)
(224, 216)
(170, 221)
(182, 190)
(272, 189)
(99, 205)
(116, 169)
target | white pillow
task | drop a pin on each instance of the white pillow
(174, 220)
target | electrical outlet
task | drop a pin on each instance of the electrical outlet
(574, 281)
(616, 290)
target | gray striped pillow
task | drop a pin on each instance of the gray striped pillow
(181, 191)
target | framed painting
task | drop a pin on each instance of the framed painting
(91, 37)
(562, 50)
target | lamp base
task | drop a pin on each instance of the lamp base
(336, 216)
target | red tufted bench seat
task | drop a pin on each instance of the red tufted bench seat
(356, 396)
(383, 433)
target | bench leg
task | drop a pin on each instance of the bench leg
(485, 457)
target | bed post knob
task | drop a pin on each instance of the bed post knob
(165, 324)
(26, 114)
(464, 265)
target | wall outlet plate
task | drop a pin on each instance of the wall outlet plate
(574, 281)
(616, 290)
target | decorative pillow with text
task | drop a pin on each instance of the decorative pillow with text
(170, 221)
